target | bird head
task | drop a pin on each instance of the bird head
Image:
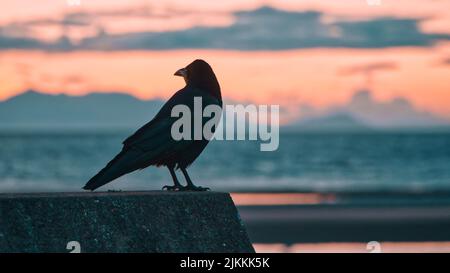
(200, 74)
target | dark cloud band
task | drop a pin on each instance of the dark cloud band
(265, 28)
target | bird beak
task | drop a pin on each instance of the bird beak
(181, 72)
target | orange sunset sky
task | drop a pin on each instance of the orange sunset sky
(43, 45)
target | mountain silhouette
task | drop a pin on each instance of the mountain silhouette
(36, 110)
(398, 112)
(363, 111)
(339, 121)
(33, 109)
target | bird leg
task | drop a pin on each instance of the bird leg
(176, 185)
(190, 186)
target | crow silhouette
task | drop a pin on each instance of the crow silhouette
(153, 144)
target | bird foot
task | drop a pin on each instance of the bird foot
(195, 188)
(173, 188)
(187, 188)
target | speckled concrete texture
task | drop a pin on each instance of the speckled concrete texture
(154, 221)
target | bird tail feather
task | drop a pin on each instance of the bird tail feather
(121, 164)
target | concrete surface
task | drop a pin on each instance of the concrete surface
(121, 222)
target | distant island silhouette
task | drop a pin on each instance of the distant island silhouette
(33, 109)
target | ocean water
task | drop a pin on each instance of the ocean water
(64, 161)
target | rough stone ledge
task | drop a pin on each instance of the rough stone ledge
(150, 221)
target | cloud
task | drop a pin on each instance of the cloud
(270, 29)
(445, 61)
(265, 28)
(368, 68)
(398, 112)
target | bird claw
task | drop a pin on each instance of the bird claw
(187, 188)
(172, 188)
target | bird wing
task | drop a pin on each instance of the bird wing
(155, 140)
(163, 114)
(158, 130)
